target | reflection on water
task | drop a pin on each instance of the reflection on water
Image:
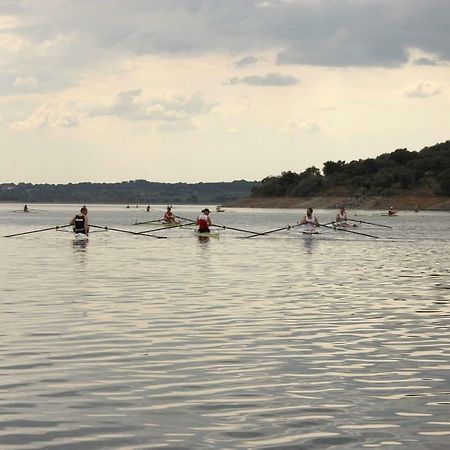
(280, 342)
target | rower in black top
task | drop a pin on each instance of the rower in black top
(80, 221)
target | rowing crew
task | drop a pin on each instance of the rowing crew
(310, 221)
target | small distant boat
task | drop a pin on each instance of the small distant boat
(219, 209)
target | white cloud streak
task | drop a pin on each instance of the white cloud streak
(423, 89)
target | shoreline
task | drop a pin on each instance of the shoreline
(399, 202)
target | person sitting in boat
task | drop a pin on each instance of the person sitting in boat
(80, 221)
(310, 220)
(169, 217)
(25, 209)
(341, 217)
(148, 208)
(392, 211)
(204, 221)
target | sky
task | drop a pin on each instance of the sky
(207, 90)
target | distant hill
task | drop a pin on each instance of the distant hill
(424, 173)
(128, 192)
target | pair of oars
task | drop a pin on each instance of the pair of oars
(225, 227)
(57, 227)
(287, 227)
(119, 230)
(348, 231)
(105, 228)
(370, 223)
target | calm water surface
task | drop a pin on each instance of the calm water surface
(336, 341)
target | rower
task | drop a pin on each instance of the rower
(392, 211)
(310, 220)
(169, 216)
(25, 209)
(80, 221)
(341, 217)
(204, 221)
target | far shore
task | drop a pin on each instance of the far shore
(399, 202)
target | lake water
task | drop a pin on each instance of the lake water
(285, 341)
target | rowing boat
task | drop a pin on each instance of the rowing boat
(344, 225)
(80, 237)
(210, 234)
(157, 223)
(310, 232)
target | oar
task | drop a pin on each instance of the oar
(179, 225)
(148, 221)
(349, 231)
(127, 231)
(268, 232)
(38, 231)
(184, 218)
(370, 223)
(287, 227)
(224, 227)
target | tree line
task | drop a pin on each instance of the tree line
(127, 192)
(425, 172)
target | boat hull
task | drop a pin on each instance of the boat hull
(211, 234)
(81, 237)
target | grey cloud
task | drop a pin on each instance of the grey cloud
(425, 62)
(246, 61)
(270, 79)
(132, 105)
(320, 32)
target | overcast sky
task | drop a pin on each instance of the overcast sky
(209, 90)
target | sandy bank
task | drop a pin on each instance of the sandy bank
(399, 202)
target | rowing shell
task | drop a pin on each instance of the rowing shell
(80, 237)
(310, 232)
(156, 223)
(211, 234)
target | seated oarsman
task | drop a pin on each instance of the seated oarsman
(309, 220)
(80, 222)
(204, 221)
(341, 217)
(169, 217)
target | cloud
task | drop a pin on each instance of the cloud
(320, 32)
(132, 105)
(246, 61)
(423, 89)
(424, 61)
(306, 127)
(48, 115)
(25, 82)
(270, 79)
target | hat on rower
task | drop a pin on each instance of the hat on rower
(205, 210)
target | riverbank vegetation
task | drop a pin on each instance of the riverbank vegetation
(129, 192)
(426, 172)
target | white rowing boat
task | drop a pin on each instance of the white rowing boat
(210, 234)
(309, 232)
(156, 223)
(80, 237)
